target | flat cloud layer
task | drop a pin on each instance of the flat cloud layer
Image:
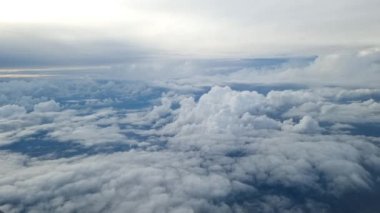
(42, 32)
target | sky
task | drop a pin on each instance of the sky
(190, 106)
(43, 32)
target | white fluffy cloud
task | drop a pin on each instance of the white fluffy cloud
(353, 68)
(205, 130)
(48, 106)
(224, 151)
(306, 125)
(11, 110)
(67, 125)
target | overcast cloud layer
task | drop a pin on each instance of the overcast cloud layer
(43, 32)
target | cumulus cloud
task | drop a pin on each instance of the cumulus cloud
(306, 125)
(48, 106)
(143, 182)
(66, 125)
(335, 68)
(224, 150)
(170, 181)
(236, 109)
(348, 68)
(11, 110)
(355, 112)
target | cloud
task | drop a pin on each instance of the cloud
(54, 47)
(342, 68)
(116, 182)
(336, 68)
(48, 106)
(347, 68)
(237, 109)
(223, 150)
(177, 181)
(11, 110)
(241, 28)
(367, 111)
(306, 125)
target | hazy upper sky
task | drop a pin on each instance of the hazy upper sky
(107, 31)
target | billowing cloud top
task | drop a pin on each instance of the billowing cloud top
(111, 146)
